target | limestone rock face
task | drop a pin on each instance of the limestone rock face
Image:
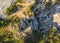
(57, 15)
(44, 19)
(44, 15)
(4, 4)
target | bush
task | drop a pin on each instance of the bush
(11, 9)
(7, 37)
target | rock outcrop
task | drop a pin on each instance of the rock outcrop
(43, 19)
(4, 4)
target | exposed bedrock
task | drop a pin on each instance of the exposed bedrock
(44, 17)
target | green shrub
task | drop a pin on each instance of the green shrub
(7, 37)
(11, 9)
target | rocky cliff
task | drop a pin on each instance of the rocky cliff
(4, 4)
(45, 15)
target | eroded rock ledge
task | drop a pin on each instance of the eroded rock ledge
(43, 19)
